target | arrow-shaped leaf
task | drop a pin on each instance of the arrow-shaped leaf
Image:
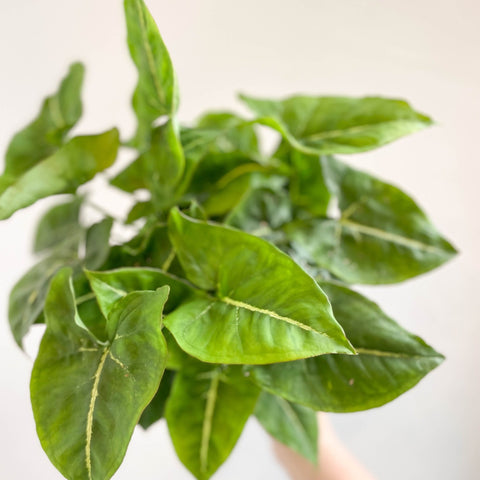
(264, 308)
(87, 396)
(156, 93)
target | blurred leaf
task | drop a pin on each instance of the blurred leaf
(308, 187)
(46, 134)
(293, 425)
(381, 237)
(324, 125)
(27, 297)
(158, 169)
(60, 226)
(71, 166)
(97, 244)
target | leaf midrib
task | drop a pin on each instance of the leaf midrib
(390, 237)
(149, 55)
(270, 313)
(212, 395)
(91, 409)
(356, 129)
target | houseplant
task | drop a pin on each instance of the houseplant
(234, 300)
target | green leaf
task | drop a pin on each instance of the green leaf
(264, 208)
(206, 413)
(381, 237)
(390, 361)
(325, 125)
(87, 397)
(255, 315)
(308, 188)
(159, 169)
(71, 166)
(140, 210)
(220, 142)
(109, 286)
(156, 408)
(291, 424)
(97, 244)
(27, 297)
(225, 197)
(42, 137)
(60, 227)
(156, 93)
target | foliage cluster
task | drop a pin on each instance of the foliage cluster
(233, 296)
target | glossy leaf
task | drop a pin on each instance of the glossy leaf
(206, 413)
(156, 408)
(60, 227)
(71, 166)
(156, 93)
(381, 237)
(87, 397)
(291, 424)
(248, 320)
(325, 125)
(46, 134)
(390, 361)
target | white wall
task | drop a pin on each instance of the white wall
(422, 50)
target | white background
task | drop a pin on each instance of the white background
(424, 50)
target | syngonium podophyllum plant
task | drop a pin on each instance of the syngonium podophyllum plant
(233, 297)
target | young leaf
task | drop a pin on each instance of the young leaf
(265, 309)
(206, 413)
(156, 408)
(291, 424)
(71, 166)
(390, 361)
(60, 227)
(381, 237)
(156, 93)
(325, 125)
(42, 137)
(86, 396)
